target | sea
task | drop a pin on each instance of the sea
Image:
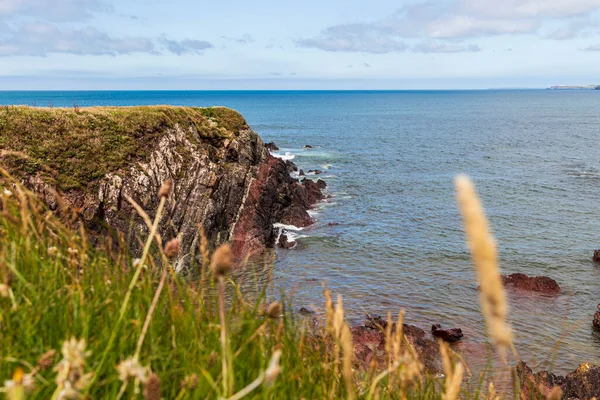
(389, 237)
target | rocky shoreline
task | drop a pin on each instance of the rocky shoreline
(224, 178)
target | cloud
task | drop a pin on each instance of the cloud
(576, 27)
(244, 39)
(452, 21)
(439, 47)
(42, 38)
(187, 46)
(53, 10)
(359, 38)
(595, 47)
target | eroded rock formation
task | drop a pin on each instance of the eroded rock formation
(224, 178)
(583, 383)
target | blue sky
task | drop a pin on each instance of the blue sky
(326, 44)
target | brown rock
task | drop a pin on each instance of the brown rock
(315, 171)
(583, 383)
(596, 321)
(284, 241)
(369, 343)
(596, 256)
(448, 335)
(271, 146)
(538, 284)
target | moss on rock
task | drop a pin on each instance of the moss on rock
(78, 146)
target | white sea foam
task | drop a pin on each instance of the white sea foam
(280, 226)
(326, 166)
(285, 157)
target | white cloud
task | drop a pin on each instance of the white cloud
(187, 46)
(354, 38)
(53, 10)
(244, 39)
(595, 47)
(440, 47)
(42, 38)
(456, 20)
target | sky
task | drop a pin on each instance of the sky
(290, 44)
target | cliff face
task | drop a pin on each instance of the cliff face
(224, 178)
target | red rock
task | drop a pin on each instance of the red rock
(583, 383)
(538, 284)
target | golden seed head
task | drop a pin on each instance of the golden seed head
(274, 310)
(4, 290)
(190, 382)
(152, 388)
(222, 260)
(556, 393)
(172, 248)
(274, 368)
(46, 360)
(165, 189)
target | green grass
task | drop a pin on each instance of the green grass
(59, 288)
(74, 147)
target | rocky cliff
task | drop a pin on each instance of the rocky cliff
(224, 179)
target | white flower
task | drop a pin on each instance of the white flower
(7, 193)
(131, 368)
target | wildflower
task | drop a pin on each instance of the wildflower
(152, 388)
(274, 310)
(52, 250)
(72, 251)
(7, 193)
(222, 260)
(165, 189)
(20, 384)
(273, 369)
(136, 264)
(172, 248)
(4, 290)
(131, 368)
(190, 382)
(483, 253)
(46, 360)
(71, 378)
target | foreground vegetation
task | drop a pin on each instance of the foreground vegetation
(82, 322)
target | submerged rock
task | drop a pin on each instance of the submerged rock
(596, 322)
(538, 284)
(285, 242)
(596, 256)
(306, 312)
(315, 171)
(448, 335)
(224, 178)
(369, 343)
(583, 383)
(308, 146)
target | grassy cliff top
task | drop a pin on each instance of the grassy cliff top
(76, 146)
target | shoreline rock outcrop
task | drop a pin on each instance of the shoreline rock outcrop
(537, 284)
(94, 159)
(583, 383)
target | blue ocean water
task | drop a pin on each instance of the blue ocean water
(390, 159)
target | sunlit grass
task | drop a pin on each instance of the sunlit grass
(83, 322)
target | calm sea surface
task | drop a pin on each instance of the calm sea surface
(390, 158)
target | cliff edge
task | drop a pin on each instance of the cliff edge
(224, 178)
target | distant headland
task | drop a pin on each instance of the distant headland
(575, 87)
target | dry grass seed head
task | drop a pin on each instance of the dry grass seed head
(222, 260)
(483, 252)
(274, 310)
(152, 388)
(172, 248)
(165, 189)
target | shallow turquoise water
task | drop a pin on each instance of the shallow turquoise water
(390, 159)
